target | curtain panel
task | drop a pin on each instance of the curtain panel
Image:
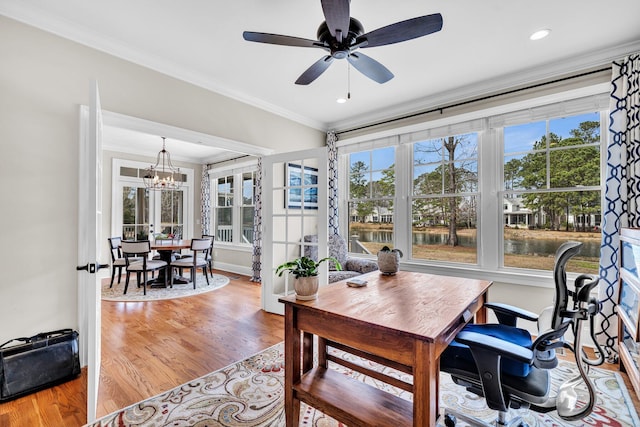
(622, 188)
(256, 263)
(332, 148)
(205, 207)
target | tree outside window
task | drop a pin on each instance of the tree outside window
(444, 202)
(371, 197)
(552, 191)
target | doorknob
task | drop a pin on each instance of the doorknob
(91, 268)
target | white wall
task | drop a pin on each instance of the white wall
(43, 80)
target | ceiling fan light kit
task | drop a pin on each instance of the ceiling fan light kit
(341, 36)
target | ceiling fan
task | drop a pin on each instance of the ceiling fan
(341, 36)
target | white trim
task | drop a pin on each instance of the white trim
(173, 132)
(116, 197)
(480, 114)
(488, 125)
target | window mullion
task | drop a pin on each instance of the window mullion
(402, 203)
(489, 183)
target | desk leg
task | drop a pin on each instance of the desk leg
(292, 367)
(307, 352)
(425, 385)
(481, 314)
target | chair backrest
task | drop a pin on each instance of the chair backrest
(203, 244)
(114, 243)
(133, 248)
(563, 254)
(209, 236)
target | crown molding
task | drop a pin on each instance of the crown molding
(31, 15)
(529, 76)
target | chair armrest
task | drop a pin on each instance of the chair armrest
(508, 314)
(495, 345)
(361, 265)
(488, 352)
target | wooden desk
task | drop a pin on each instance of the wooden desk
(403, 321)
(165, 248)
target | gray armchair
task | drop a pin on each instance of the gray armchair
(351, 266)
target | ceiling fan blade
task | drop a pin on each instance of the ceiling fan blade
(402, 31)
(337, 15)
(281, 40)
(315, 70)
(370, 67)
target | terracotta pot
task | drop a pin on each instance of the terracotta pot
(306, 287)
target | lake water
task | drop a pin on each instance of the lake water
(540, 247)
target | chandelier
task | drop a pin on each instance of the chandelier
(163, 176)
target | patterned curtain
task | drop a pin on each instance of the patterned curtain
(257, 226)
(205, 210)
(622, 195)
(334, 220)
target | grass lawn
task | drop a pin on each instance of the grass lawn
(465, 254)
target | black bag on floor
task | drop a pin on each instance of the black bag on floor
(42, 361)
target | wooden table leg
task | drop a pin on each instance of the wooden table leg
(292, 367)
(425, 385)
(307, 352)
(481, 314)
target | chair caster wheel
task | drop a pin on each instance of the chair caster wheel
(449, 420)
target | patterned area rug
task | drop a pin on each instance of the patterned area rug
(250, 393)
(178, 291)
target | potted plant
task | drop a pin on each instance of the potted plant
(305, 272)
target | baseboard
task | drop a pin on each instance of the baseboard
(233, 268)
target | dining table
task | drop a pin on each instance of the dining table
(166, 249)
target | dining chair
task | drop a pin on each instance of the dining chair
(117, 260)
(208, 256)
(199, 249)
(136, 249)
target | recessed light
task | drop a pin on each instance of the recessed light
(341, 100)
(540, 34)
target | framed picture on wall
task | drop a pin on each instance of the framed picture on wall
(302, 186)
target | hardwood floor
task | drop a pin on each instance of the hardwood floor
(148, 348)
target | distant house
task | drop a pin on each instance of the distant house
(516, 215)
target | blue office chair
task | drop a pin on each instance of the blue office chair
(510, 369)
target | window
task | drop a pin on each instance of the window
(497, 193)
(552, 188)
(234, 207)
(224, 210)
(371, 198)
(135, 213)
(139, 213)
(444, 202)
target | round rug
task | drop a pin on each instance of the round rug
(153, 294)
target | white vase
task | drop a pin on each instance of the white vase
(306, 288)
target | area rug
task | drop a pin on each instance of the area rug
(250, 393)
(178, 291)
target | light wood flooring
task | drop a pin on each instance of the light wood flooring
(148, 348)
(151, 347)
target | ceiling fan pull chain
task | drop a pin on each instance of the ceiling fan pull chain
(348, 80)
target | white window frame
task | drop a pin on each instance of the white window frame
(236, 170)
(489, 124)
(117, 181)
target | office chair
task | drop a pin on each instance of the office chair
(502, 362)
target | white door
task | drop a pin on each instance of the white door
(295, 204)
(89, 226)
